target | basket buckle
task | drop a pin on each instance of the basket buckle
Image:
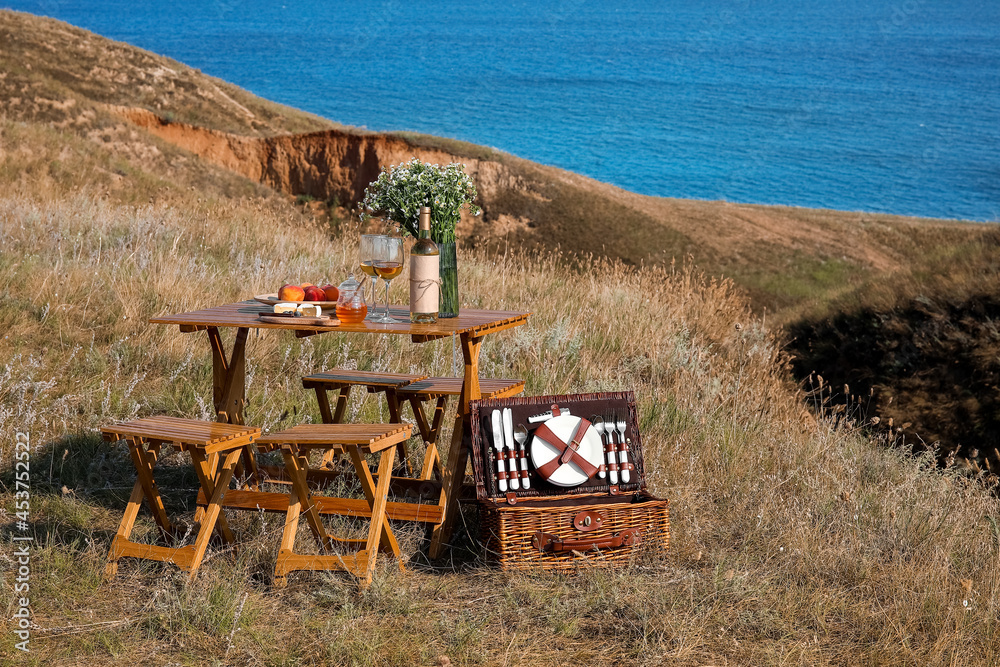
(588, 520)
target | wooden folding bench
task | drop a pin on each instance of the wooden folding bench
(215, 449)
(439, 389)
(342, 381)
(399, 387)
(356, 440)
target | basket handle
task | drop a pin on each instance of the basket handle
(548, 542)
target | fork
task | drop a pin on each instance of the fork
(622, 451)
(599, 427)
(521, 436)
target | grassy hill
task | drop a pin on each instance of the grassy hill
(796, 539)
(785, 258)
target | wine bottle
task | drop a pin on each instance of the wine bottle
(425, 284)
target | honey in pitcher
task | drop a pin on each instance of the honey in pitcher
(351, 306)
(352, 314)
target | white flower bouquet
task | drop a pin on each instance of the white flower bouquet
(401, 190)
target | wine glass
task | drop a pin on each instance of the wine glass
(368, 252)
(388, 265)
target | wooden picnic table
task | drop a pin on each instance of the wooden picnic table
(229, 375)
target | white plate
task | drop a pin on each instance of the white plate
(591, 449)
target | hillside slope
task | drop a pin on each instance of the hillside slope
(163, 130)
(784, 257)
(923, 352)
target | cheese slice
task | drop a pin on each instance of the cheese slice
(310, 310)
(285, 308)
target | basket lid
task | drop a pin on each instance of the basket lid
(556, 459)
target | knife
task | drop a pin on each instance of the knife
(498, 445)
(623, 456)
(508, 439)
(546, 415)
(612, 464)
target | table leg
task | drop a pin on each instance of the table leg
(458, 457)
(128, 519)
(229, 376)
(392, 400)
(229, 392)
(297, 465)
(213, 512)
(144, 461)
(210, 477)
(429, 432)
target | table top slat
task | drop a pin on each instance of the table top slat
(244, 314)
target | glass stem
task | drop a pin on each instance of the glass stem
(386, 297)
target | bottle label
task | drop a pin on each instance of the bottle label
(425, 283)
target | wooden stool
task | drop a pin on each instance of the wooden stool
(342, 381)
(440, 388)
(356, 440)
(207, 443)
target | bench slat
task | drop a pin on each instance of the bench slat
(452, 386)
(369, 437)
(339, 377)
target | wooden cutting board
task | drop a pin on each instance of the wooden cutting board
(308, 321)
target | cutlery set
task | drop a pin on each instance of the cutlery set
(615, 449)
(505, 437)
(514, 475)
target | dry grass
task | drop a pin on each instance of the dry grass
(793, 542)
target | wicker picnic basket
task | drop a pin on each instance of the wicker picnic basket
(559, 527)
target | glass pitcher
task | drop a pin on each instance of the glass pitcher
(351, 306)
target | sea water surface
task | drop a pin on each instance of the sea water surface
(890, 106)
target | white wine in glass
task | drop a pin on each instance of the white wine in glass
(388, 265)
(368, 252)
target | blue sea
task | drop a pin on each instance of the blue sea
(890, 106)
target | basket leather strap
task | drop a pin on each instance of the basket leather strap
(547, 542)
(567, 451)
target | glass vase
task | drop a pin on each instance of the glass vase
(449, 280)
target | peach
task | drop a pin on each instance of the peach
(291, 293)
(332, 293)
(313, 293)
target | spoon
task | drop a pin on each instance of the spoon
(521, 436)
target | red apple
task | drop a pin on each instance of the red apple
(332, 293)
(313, 293)
(291, 293)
